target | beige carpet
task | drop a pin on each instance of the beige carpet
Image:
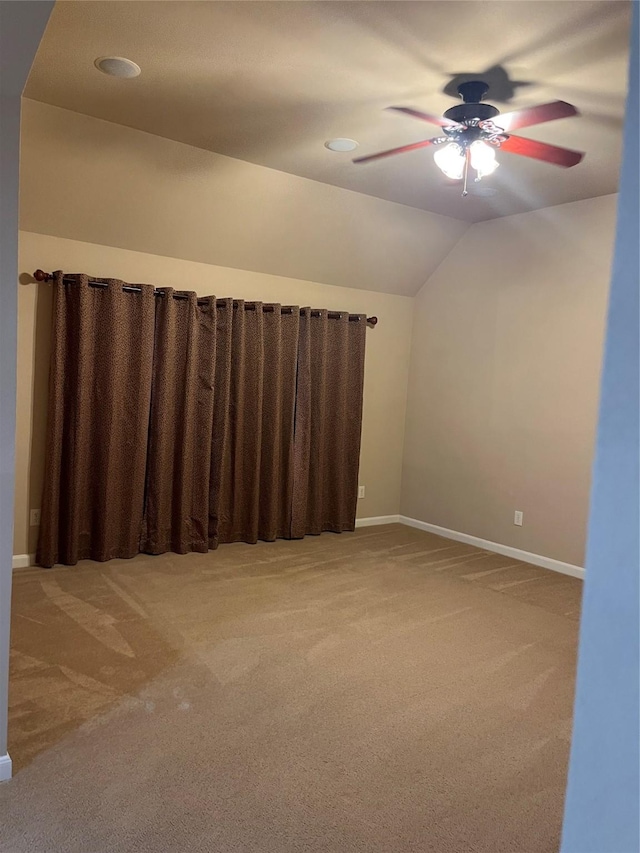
(382, 691)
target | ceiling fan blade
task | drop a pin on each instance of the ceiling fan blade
(412, 147)
(439, 120)
(529, 116)
(542, 151)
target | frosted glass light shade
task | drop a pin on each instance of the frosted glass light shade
(450, 160)
(483, 158)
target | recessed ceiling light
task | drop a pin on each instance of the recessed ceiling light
(117, 66)
(341, 144)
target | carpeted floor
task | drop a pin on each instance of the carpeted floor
(382, 691)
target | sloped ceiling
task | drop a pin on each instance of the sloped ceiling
(270, 82)
(87, 179)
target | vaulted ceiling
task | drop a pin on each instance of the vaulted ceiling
(270, 82)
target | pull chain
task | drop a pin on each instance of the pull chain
(465, 192)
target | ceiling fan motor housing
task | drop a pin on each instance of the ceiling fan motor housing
(468, 112)
(472, 92)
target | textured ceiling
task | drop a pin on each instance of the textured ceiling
(269, 82)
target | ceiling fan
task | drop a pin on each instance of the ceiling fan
(473, 131)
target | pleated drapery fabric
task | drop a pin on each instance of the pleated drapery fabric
(176, 516)
(177, 423)
(221, 428)
(328, 423)
(98, 420)
(252, 455)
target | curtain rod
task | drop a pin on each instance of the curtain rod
(40, 275)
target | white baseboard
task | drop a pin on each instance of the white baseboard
(23, 561)
(506, 550)
(5, 767)
(378, 519)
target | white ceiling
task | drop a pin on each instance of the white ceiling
(270, 82)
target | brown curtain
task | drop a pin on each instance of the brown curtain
(328, 422)
(180, 426)
(252, 453)
(220, 436)
(177, 423)
(99, 397)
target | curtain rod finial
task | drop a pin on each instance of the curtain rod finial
(372, 321)
(40, 275)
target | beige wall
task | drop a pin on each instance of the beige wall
(87, 179)
(503, 387)
(386, 367)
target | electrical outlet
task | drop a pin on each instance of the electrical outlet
(360, 491)
(34, 518)
(517, 517)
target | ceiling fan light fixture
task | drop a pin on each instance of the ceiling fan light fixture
(450, 159)
(483, 159)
